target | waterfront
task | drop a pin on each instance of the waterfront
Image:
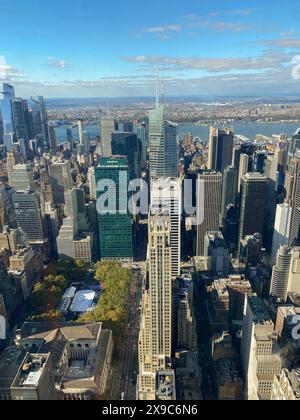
(247, 129)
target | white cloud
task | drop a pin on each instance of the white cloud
(56, 63)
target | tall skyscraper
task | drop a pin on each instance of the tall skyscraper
(292, 186)
(20, 115)
(259, 358)
(6, 108)
(107, 127)
(40, 119)
(220, 149)
(166, 198)
(80, 131)
(61, 180)
(252, 208)
(208, 206)
(52, 138)
(293, 145)
(163, 153)
(243, 169)
(115, 229)
(229, 192)
(126, 144)
(282, 228)
(155, 343)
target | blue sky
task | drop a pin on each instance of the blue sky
(112, 48)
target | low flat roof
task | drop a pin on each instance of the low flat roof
(83, 301)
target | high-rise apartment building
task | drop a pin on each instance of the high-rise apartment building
(155, 343)
(163, 153)
(115, 225)
(208, 206)
(166, 197)
(220, 149)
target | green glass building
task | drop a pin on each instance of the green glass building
(115, 230)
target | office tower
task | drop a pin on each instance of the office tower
(292, 186)
(115, 226)
(155, 343)
(8, 142)
(20, 112)
(22, 178)
(6, 108)
(61, 180)
(52, 138)
(92, 183)
(243, 169)
(216, 253)
(163, 153)
(166, 197)
(286, 386)
(34, 380)
(30, 216)
(220, 149)
(126, 144)
(208, 206)
(259, 359)
(107, 127)
(252, 210)
(229, 191)
(281, 271)
(282, 228)
(40, 120)
(293, 145)
(86, 142)
(142, 135)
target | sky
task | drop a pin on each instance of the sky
(96, 48)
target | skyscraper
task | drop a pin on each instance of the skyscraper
(52, 138)
(220, 149)
(20, 115)
(40, 119)
(155, 343)
(6, 108)
(61, 180)
(107, 127)
(30, 215)
(166, 198)
(252, 208)
(115, 225)
(208, 206)
(126, 144)
(243, 169)
(229, 192)
(292, 186)
(163, 153)
(282, 228)
(22, 178)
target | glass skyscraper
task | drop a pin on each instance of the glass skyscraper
(115, 230)
(6, 108)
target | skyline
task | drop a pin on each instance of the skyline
(111, 50)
